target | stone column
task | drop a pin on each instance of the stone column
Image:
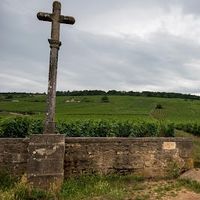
(46, 161)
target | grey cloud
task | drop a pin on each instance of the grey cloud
(189, 7)
(94, 60)
(103, 61)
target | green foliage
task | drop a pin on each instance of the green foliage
(17, 127)
(125, 93)
(12, 187)
(145, 129)
(7, 180)
(35, 126)
(22, 127)
(192, 185)
(173, 170)
(9, 96)
(111, 187)
(105, 99)
(123, 116)
(86, 100)
(23, 192)
(190, 127)
(159, 106)
(167, 130)
(119, 108)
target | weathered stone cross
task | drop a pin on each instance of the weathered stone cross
(56, 18)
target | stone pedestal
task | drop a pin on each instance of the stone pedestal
(46, 161)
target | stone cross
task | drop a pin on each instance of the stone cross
(55, 18)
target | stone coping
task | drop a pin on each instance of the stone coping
(114, 139)
(16, 139)
(127, 139)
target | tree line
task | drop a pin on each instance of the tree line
(127, 93)
(110, 92)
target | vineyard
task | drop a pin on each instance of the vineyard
(22, 127)
(100, 116)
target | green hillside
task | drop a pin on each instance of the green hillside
(92, 107)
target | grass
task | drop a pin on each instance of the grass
(189, 184)
(91, 107)
(89, 187)
(86, 187)
(113, 187)
(95, 187)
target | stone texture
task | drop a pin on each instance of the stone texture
(193, 174)
(46, 161)
(142, 156)
(14, 155)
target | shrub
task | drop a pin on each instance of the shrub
(190, 127)
(24, 192)
(17, 127)
(9, 96)
(167, 130)
(36, 126)
(22, 127)
(159, 106)
(7, 180)
(173, 170)
(105, 99)
(86, 100)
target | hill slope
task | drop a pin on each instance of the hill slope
(92, 107)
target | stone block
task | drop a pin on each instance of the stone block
(51, 182)
(46, 161)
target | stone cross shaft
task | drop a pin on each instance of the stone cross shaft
(55, 18)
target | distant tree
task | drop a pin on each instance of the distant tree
(86, 100)
(159, 106)
(104, 93)
(9, 96)
(105, 99)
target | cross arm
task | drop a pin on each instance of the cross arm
(67, 19)
(44, 16)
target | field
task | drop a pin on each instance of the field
(117, 111)
(92, 107)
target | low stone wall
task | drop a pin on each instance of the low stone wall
(46, 160)
(14, 155)
(150, 157)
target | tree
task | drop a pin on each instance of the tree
(105, 99)
(159, 106)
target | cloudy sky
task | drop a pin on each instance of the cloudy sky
(115, 44)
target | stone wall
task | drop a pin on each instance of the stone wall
(151, 157)
(46, 160)
(14, 155)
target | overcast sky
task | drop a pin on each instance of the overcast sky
(115, 44)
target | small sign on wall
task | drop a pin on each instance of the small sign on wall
(169, 145)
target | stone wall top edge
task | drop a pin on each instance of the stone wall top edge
(111, 139)
(14, 139)
(127, 139)
(47, 135)
(47, 138)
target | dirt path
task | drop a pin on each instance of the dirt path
(184, 195)
(163, 190)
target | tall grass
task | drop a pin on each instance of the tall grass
(113, 187)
